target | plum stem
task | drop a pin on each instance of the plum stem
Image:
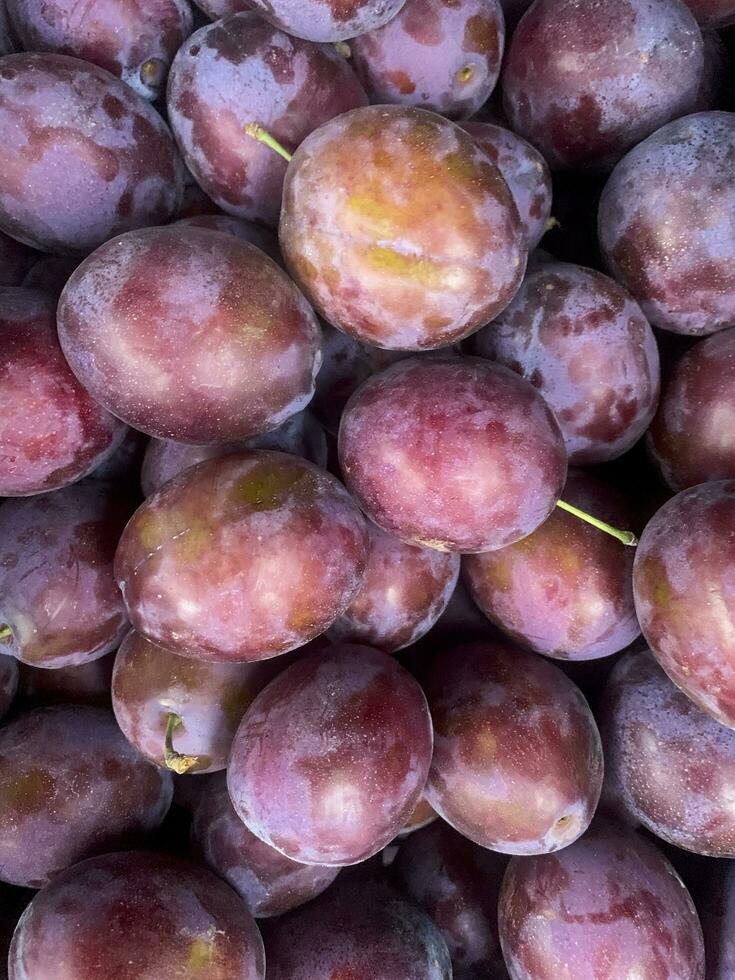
(263, 136)
(5, 632)
(175, 760)
(626, 537)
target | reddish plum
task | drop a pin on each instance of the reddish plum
(252, 73)
(685, 597)
(517, 763)
(435, 55)
(189, 334)
(526, 174)
(133, 39)
(331, 758)
(666, 224)
(87, 683)
(8, 682)
(567, 589)
(586, 82)
(457, 883)
(585, 344)
(692, 438)
(268, 882)
(300, 435)
(404, 591)
(51, 431)
(609, 906)
(713, 13)
(70, 787)
(423, 815)
(360, 931)
(718, 922)
(83, 157)
(242, 558)
(457, 454)
(327, 20)
(669, 765)
(400, 229)
(135, 917)
(262, 238)
(59, 604)
(180, 713)
(15, 260)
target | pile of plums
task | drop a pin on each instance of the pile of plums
(367, 571)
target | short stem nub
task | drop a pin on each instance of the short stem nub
(5, 633)
(626, 537)
(263, 136)
(175, 760)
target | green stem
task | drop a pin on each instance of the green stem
(263, 136)
(5, 633)
(626, 537)
(175, 760)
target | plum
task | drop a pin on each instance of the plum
(457, 883)
(133, 39)
(513, 10)
(692, 438)
(16, 259)
(59, 603)
(609, 906)
(135, 916)
(357, 930)
(423, 815)
(216, 9)
(579, 338)
(71, 786)
(452, 453)
(566, 590)
(87, 683)
(332, 756)
(517, 763)
(180, 713)
(262, 238)
(301, 435)
(525, 171)
(668, 764)
(435, 55)
(268, 882)
(682, 582)
(189, 334)
(666, 227)
(400, 229)
(52, 433)
(83, 158)
(242, 558)
(586, 82)
(327, 20)
(713, 14)
(250, 72)
(404, 591)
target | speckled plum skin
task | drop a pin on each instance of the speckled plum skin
(300, 435)
(566, 590)
(8, 682)
(268, 882)
(327, 20)
(670, 766)
(517, 763)
(252, 73)
(584, 83)
(15, 261)
(57, 590)
(457, 884)
(579, 338)
(149, 682)
(133, 39)
(717, 913)
(692, 438)
(71, 786)
(666, 224)
(360, 931)
(400, 229)
(404, 591)
(83, 158)
(51, 431)
(457, 454)
(525, 171)
(434, 54)
(136, 916)
(685, 596)
(189, 334)
(87, 683)
(332, 757)
(713, 14)
(242, 558)
(262, 238)
(610, 907)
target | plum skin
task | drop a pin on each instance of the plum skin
(333, 20)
